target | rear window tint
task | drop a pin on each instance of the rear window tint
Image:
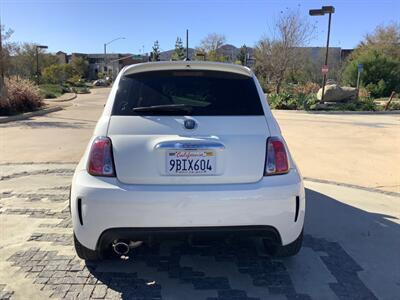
(197, 93)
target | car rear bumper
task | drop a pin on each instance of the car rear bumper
(180, 233)
(101, 204)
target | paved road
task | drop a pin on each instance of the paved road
(352, 149)
(351, 248)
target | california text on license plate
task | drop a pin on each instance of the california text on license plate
(191, 162)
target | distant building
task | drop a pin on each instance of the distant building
(110, 63)
(62, 57)
(229, 52)
(345, 53)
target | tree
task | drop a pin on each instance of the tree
(385, 39)
(58, 73)
(275, 54)
(6, 50)
(379, 53)
(8, 47)
(155, 54)
(24, 62)
(80, 65)
(211, 45)
(179, 52)
(242, 55)
(306, 67)
(380, 75)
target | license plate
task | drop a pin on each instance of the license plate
(191, 162)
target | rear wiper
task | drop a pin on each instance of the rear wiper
(166, 107)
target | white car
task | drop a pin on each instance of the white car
(186, 147)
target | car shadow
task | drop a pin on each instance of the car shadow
(338, 235)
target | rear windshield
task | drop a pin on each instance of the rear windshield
(197, 93)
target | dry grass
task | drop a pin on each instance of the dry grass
(22, 96)
(307, 88)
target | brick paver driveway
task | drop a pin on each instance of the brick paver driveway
(351, 248)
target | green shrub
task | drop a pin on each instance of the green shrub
(101, 75)
(22, 96)
(59, 73)
(292, 101)
(48, 95)
(380, 75)
(310, 100)
(80, 65)
(75, 80)
(363, 104)
(279, 101)
(366, 104)
(394, 106)
(377, 89)
(50, 91)
(81, 90)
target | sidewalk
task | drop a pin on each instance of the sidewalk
(350, 250)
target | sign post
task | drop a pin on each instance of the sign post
(359, 68)
(2, 85)
(324, 71)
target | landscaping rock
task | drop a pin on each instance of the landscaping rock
(336, 93)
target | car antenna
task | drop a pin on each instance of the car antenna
(187, 45)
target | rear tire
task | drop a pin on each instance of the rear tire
(85, 253)
(285, 251)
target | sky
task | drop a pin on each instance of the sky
(85, 25)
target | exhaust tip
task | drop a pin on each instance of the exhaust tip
(121, 248)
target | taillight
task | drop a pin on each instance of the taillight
(277, 159)
(101, 162)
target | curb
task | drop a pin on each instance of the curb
(353, 186)
(101, 87)
(61, 100)
(325, 112)
(30, 114)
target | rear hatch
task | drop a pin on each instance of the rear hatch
(188, 127)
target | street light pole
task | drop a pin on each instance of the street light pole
(105, 57)
(105, 51)
(326, 57)
(187, 44)
(320, 12)
(2, 84)
(37, 61)
(37, 65)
